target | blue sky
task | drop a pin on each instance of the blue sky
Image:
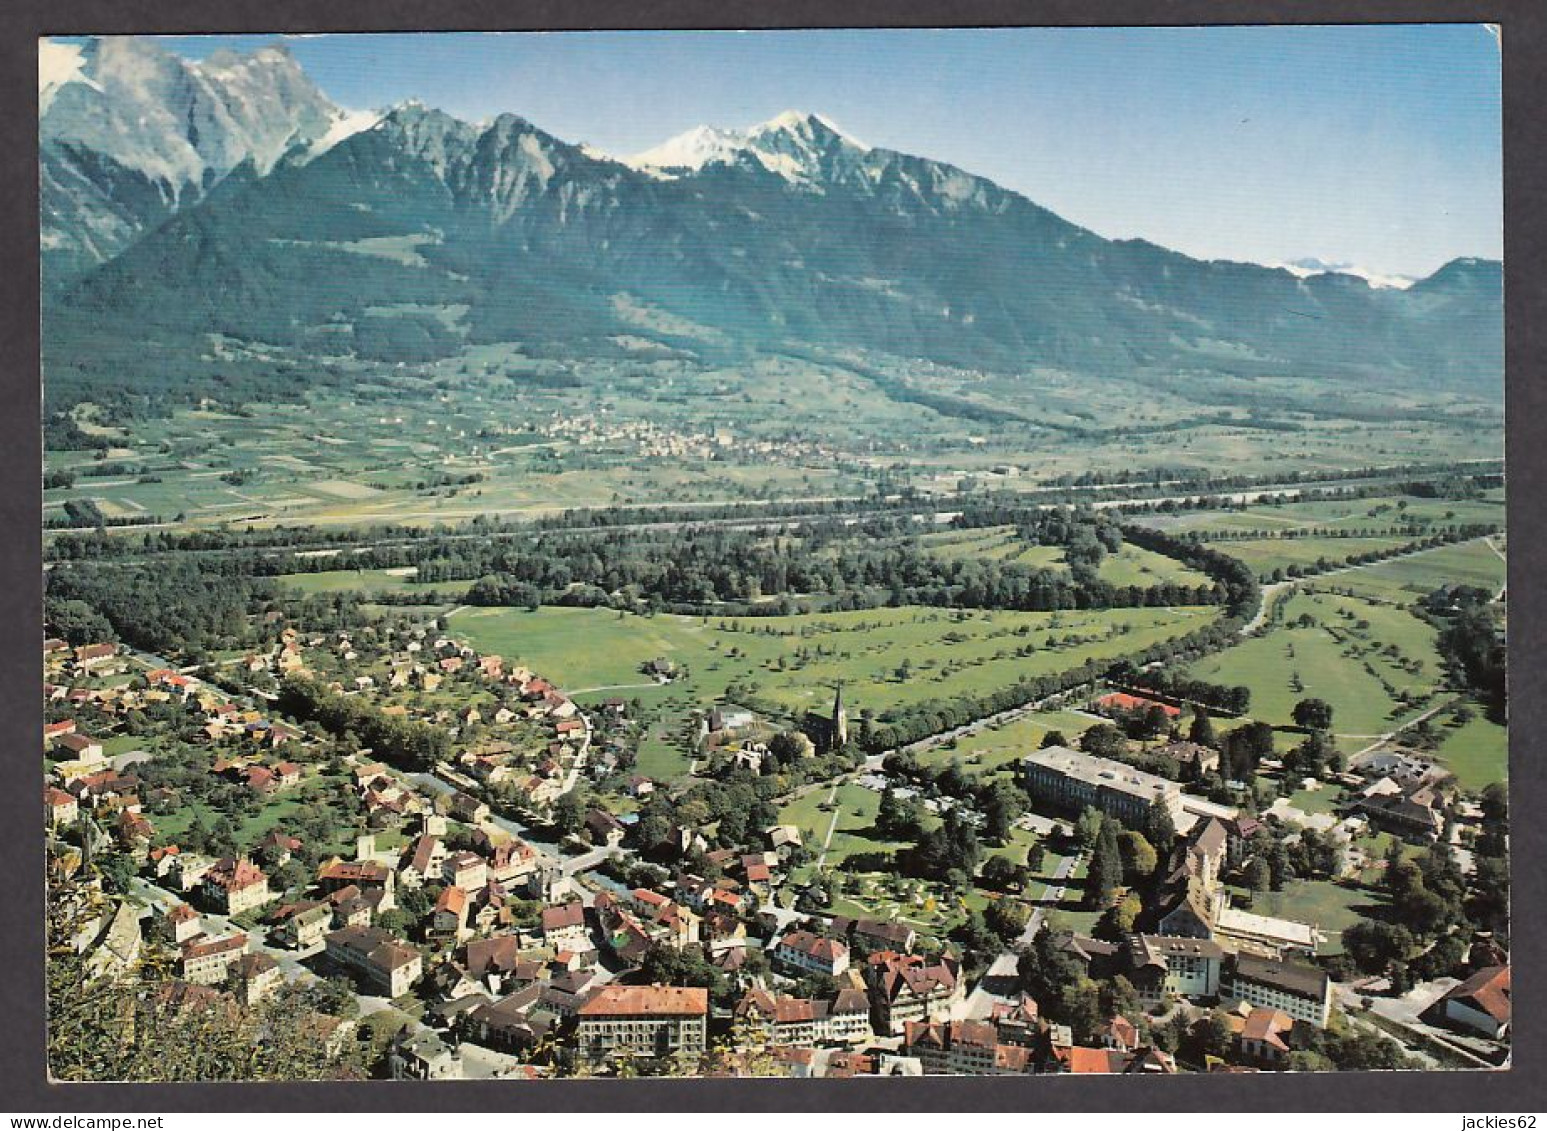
(1378, 146)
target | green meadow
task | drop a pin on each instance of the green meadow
(887, 657)
(1320, 650)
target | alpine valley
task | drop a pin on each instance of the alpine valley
(766, 605)
(231, 197)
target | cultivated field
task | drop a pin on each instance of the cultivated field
(1354, 654)
(883, 657)
(1409, 578)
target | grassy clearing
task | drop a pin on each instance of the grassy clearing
(1320, 651)
(1268, 554)
(1328, 906)
(883, 657)
(1003, 746)
(855, 807)
(1374, 513)
(1477, 752)
(1131, 565)
(1323, 800)
(1409, 578)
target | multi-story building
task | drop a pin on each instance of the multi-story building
(206, 962)
(378, 957)
(235, 885)
(763, 1018)
(307, 925)
(1075, 780)
(1303, 992)
(257, 976)
(964, 1048)
(1161, 966)
(805, 952)
(564, 927)
(465, 870)
(647, 1021)
(906, 987)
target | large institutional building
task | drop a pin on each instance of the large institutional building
(649, 1021)
(1076, 780)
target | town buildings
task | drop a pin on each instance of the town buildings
(648, 1021)
(383, 962)
(1074, 780)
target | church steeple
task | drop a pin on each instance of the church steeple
(840, 724)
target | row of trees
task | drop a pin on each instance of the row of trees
(1171, 684)
(904, 725)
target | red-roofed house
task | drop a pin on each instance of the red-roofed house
(808, 953)
(1264, 1036)
(235, 885)
(1481, 1002)
(1118, 701)
(52, 731)
(1087, 1060)
(206, 962)
(564, 926)
(650, 1021)
(450, 915)
(906, 987)
(59, 807)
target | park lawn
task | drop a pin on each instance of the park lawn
(1327, 906)
(1070, 916)
(885, 658)
(1371, 513)
(854, 832)
(659, 759)
(1268, 554)
(1133, 565)
(1331, 668)
(271, 814)
(921, 905)
(993, 748)
(1323, 800)
(126, 743)
(1020, 843)
(1375, 845)
(1477, 752)
(982, 542)
(1408, 578)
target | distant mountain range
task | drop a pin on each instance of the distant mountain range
(231, 196)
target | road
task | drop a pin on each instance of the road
(1051, 896)
(1000, 981)
(1271, 590)
(217, 926)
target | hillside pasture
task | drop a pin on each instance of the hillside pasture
(1319, 649)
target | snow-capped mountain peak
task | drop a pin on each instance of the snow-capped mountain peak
(811, 128)
(119, 110)
(60, 64)
(792, 144)
(1304, 268)
(691, 150)
(345, 125)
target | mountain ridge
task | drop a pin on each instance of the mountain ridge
(789, 232)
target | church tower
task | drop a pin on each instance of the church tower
(839, 731)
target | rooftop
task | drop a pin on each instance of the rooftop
(647, 1001)
(1101, 772)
